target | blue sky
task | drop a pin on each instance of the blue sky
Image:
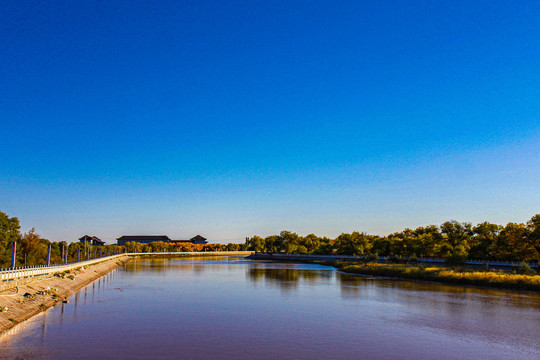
(249, 117)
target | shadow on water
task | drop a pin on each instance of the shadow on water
(507, 316)
(194, 263)
(286, 278)
(353, 286)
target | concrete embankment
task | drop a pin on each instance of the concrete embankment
(24, 301)
(44, 291)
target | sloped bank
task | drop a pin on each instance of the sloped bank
(25, 301)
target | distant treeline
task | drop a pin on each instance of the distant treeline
(452, 240)
(32, 248)
(160, 246)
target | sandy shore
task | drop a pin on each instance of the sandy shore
(44, 293)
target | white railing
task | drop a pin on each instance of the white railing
(28, 271)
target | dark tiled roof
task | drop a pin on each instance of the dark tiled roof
(198, 237)
(98, 240)
(164, 238)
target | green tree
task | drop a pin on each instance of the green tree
(382, 246)
(513, 244)
(9, 232)
(533, 226)
(273, 243)
(354, 243)
(458, 236)
(256, 243)
(429, 237)
(310, 243)
(324, 246)
(289, 241)
(484, 241)
(31, 250)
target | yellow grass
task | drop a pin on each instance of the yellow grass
(491, 278)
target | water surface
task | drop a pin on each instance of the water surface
(229, 308)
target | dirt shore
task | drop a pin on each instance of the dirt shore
(25, 301)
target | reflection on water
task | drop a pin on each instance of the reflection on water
(287, 276)
(487, 314)
(230, 308)
(11, 346)
(351, 285)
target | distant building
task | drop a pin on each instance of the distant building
(93, 240)
(143, 239)
(147, 239)
(198, 240)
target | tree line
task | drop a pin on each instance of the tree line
(452, 240)
(32, 248)
(160, 246)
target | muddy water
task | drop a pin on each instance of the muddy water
(228, 308)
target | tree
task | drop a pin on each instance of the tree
(382, 246)
(32, 251)
(484, 241)
(311, 243)
(429, 237)
(156, 246)
(133, 246)
(533, 226)
(513, 244)
(289, 241)
(273, 243)
(256, 243)
(353, 244)
(9, 233)
(458, 236)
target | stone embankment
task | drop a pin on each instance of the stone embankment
(24, 301)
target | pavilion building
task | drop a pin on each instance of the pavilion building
(92, 240)
(147, 239)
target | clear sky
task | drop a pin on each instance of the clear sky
(235, 118)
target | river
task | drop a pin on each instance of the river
(230, 308)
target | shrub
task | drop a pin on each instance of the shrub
(456, 260)
(370, 258)
(524, 269)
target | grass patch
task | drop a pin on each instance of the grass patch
(459, 275)
(61, 274)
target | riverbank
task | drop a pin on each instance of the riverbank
(525, 279)
(464, 276)
(25, 301)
